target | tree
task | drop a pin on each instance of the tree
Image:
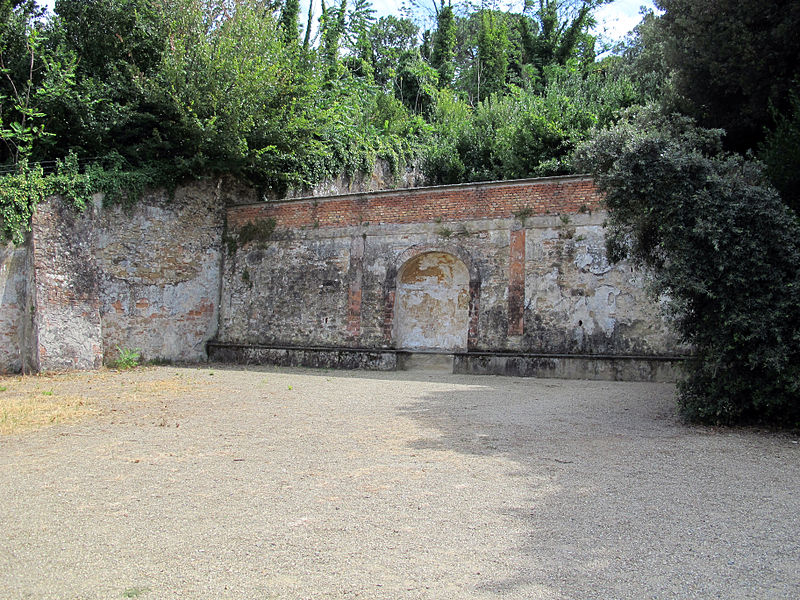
(444, 43)
(553, 32)
(393, 41)
(493, 45)
(357, 39)
(289, 21)
(780, 152)
(724, 254)
(32, 75)
(332, 24)
(733, 62)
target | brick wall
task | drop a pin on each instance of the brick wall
(539, 280)
(495, 200)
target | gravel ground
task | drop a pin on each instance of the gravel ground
(287, 483)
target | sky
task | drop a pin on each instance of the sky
(614, 20)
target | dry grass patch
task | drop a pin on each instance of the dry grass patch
(28, 403)
(34, 401)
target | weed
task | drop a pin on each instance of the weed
(564, 219)
(258, 231)
(437, 220)
(3, 388)
(290, 387)
(47, 393)
(584, 209)
(231, 243)
(127, 358)
(523, 213)
(134, 592)
(444, 232)
(245, 275)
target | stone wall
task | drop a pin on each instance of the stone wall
(516, 269)
(14, 308)
(159, 272)
(526, 259)
(147, 277)
(66, 293)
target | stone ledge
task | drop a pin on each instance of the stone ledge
(318, 357)
(560, 366)
(567, 366)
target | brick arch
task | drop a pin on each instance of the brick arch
(390, 287)
(414, 251)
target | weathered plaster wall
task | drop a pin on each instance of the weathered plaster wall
(147, 277)
(66, 292)
(14, 309)
(535, 279)
(515, 267)
(432, 303)
(577, 302)
(158, 267)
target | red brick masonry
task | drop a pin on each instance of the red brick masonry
(516, 283)
(465, 202)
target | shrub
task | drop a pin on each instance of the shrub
(724, 254)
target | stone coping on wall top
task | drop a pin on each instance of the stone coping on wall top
(471, 353)
(424, 189)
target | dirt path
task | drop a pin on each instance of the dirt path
(230, 483)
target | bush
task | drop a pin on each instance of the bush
(724, 255)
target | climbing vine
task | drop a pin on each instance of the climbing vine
(22, 189)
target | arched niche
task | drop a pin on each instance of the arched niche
(431, 310)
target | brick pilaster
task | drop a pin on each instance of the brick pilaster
(354, 292)
(516, 282)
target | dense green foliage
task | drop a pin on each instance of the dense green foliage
(732, 61)
(724, 254)
(691, 205)
(524, 133)
(730, 65)
(157, 91)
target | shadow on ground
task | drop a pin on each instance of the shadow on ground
(620, 499)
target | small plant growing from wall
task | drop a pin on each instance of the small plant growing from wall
(444, 232)
(523, 213)
(566, 232)
(246, 278)
(259, 231)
